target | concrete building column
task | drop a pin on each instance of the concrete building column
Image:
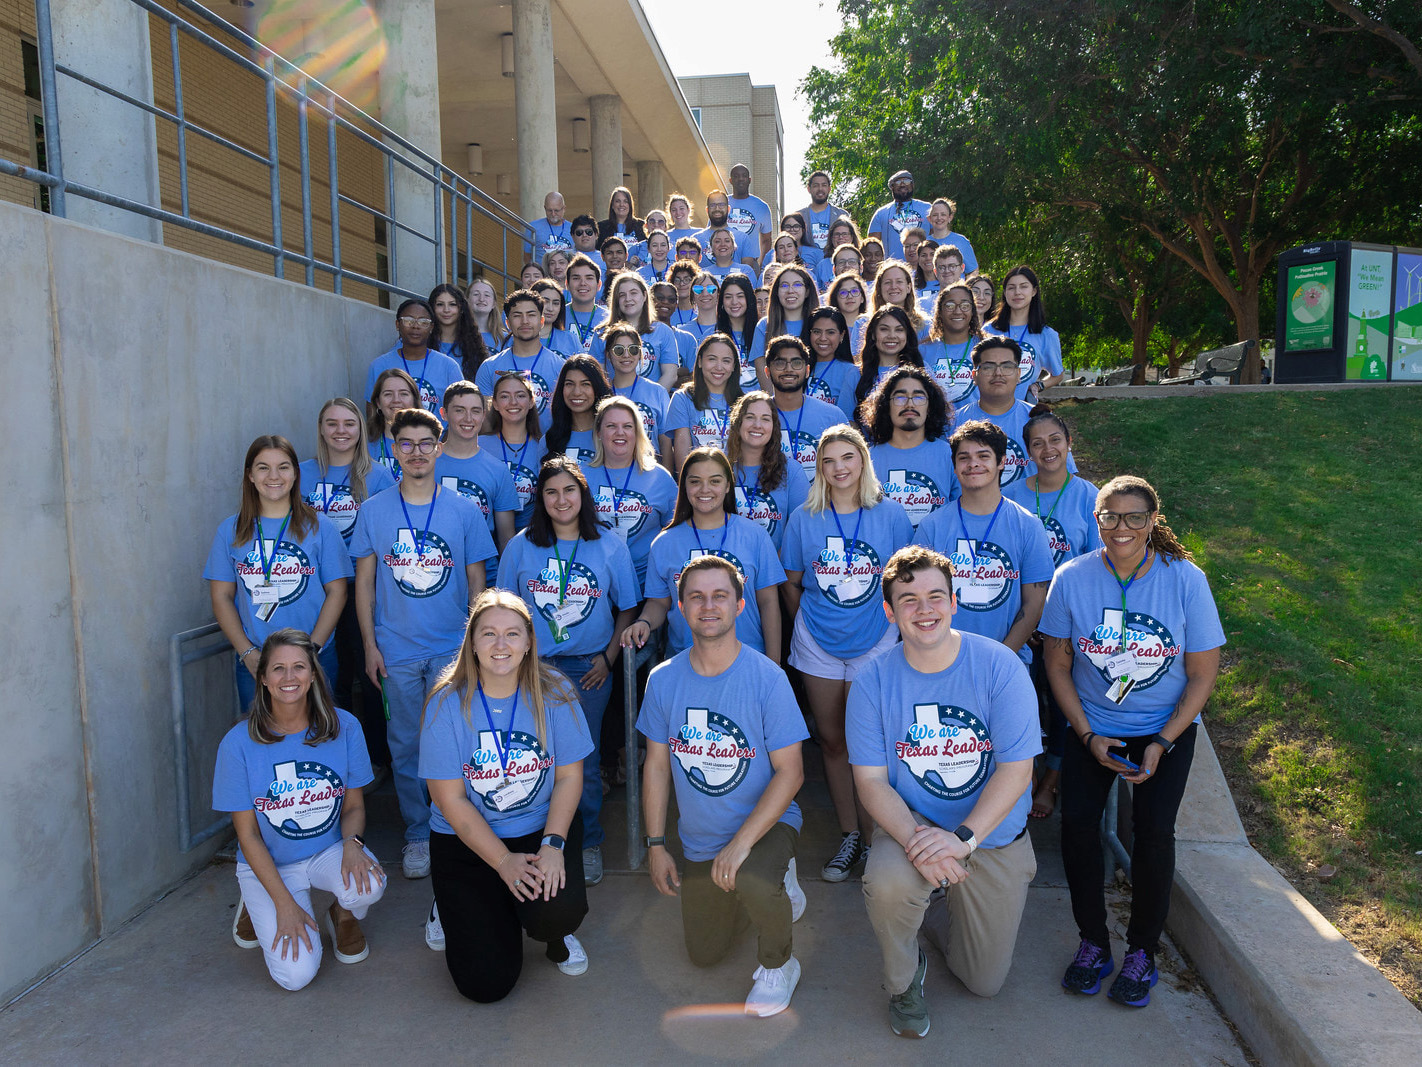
(105, 142)
(649, 185)
(605, 120)
(409, 105)
(534, 105)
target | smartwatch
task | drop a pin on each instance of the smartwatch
(1162, 742)
(965, 834)
(648, 842)
(554, 840)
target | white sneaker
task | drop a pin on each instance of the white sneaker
(577, 961)
(434, 930)
(794, 892)
(773, 988)
(415, 860)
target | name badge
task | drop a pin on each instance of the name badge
(1120, 687)
(567, 613)
(851, 587)
(265, 593)
(1119, 665)
(506, 797)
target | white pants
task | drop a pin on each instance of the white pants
(321, 871)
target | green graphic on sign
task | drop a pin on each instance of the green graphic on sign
(1369, 307)
(1407, 319)
(1310, 321)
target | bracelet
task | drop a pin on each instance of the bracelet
(507, 855)
(250, 650)
(1087, 739)
(605, 660)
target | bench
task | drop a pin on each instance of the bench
(1119, 376)
(1217, 366)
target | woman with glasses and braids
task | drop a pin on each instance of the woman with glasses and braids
(1132, 641)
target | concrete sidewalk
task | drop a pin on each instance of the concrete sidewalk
(170, 987)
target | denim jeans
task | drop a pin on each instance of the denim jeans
(406, 687)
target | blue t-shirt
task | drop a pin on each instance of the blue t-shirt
(721, 732)
(770, 509)
(750, 215)
(482, 749)
(650, 274)
(563, 342)
(739, 540)
(891, 220)
(541, 372)
(433, 374)
(818, 223)
(522, 464)
(832, 381)
(722, 273)
(942, 735)
(800, 432)
(952, 367)
(651, 400)
(331, 495)
(547, 237)
(810, 258)
(600, 581)
(708, 425)
(842, 604)
(1040, 351)
(298, 568)
(1169, 611)
(747, 246)
(920, 478)
(580, 447)
(659, 346)
(421, 586)
(485, 480)
(791, 327)
(688, 337)
(993, 556)
(970, 258)
(1068, 516)
(1012, 422)
(296, 789)
(583, 327)
(634, 504)
(383, 452)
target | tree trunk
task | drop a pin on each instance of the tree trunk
(1246, 322)
(1141, 326)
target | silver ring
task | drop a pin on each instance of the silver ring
(287, 938)
(518, 883)
(942, 883)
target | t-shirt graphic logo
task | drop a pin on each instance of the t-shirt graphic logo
(649, 419)
(917, 492)
(582, 591)
(947, 750)
(817, 388)
(421, 575)
(697, 553)
(847, 587)
(713, 752)
(819, 233)
(1057, 538)
(1146, 639)
(303, 800)
(465, 488)
(800, 447)
(336, 503)
(740, 219)
(759, 507)
(524, 480)
(524, 759)
(1029, 362)
(539, 385)
(631, 511)
(291, 569)
(957, 384)
(1014, 465)
(985, 578)
(905, 219)
(429, 399)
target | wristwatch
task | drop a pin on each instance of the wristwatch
(965, 834)
(648, 842)
(1162, 742)
(554, 840)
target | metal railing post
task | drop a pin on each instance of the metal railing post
(441, 271)
(635, 851)
(273, 162)
(333, 174)
(49, 104)
(182, 119)
(390, 228)
(303, 133)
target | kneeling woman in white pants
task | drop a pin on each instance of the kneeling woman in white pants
(291, 775)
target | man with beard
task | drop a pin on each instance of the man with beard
(907, 420)
(902, 213)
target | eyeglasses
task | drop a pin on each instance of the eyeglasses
(583, 233)
(991, 369)
(900, 400)
(424, 448)
(405, 320)
(626, 350)
(1135, 520)
(794, 362)
(794, 227)
(961, 305)
(702, 290)
(792, 284)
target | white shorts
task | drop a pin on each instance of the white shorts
(808, 657)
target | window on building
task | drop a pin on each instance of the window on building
(34, 117)
(696, 116)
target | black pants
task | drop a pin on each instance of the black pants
(1084, 788)
(353, 690)
(484, 924)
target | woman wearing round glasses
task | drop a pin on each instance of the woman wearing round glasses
(432, 371)
(1132, 652)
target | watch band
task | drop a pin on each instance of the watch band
(1162, 742)
(965, 834)
(648, 842)
(554, 840)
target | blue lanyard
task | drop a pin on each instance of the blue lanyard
(798, 422)
(721, 424)
(499, 749)
(725, 529)
(1019, 340)
(268, 564)
(848, 544)
(618, 494)
(423, 361)
(333, 491)
(562, 234)
(986, 533)
(681, 319)
(420, 538)
(504, 448)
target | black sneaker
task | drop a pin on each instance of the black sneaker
(850, 856)
(1132, 985)
(1091, 964)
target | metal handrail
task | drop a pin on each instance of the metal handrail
(309, 95)
(178, 658)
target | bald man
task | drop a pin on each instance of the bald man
(549, 232)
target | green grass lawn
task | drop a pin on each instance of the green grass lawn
(1305, 511)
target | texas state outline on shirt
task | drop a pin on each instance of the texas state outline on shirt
(469, 490)
(917, 492)
(947, 750)
(982, 586)
(1152, 645)
(524, 761)
(759, 506)
(582, 589)
(423, 575)
(830, 572)
(303, 800)
(291, 569)
(713, 751)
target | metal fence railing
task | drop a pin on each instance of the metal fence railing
(456, 202)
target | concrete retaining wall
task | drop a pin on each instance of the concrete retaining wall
(135, 379)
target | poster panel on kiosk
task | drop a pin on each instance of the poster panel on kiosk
(1407, 316)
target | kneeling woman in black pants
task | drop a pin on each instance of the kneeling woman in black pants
(1132, 652)
(502, 750)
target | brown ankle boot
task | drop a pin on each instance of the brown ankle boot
(347, 940)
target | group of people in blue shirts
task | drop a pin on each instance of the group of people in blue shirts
(628, 455)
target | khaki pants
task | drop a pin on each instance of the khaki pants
(975, 927)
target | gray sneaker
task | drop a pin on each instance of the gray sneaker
(592, 865)
(908, 1014)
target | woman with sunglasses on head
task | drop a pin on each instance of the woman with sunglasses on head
(394, 391)
(1022, 317)
(292, 776)
(793, 296)
(578, 581)
(455, 333)
(768, 486)
(1132, 641)
(431, 369)
(512, 435)
(700, 409)
(502, 751)
(580, 388)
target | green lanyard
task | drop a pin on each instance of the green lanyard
(1038, 490)
(565, 569)
(1125, 585)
